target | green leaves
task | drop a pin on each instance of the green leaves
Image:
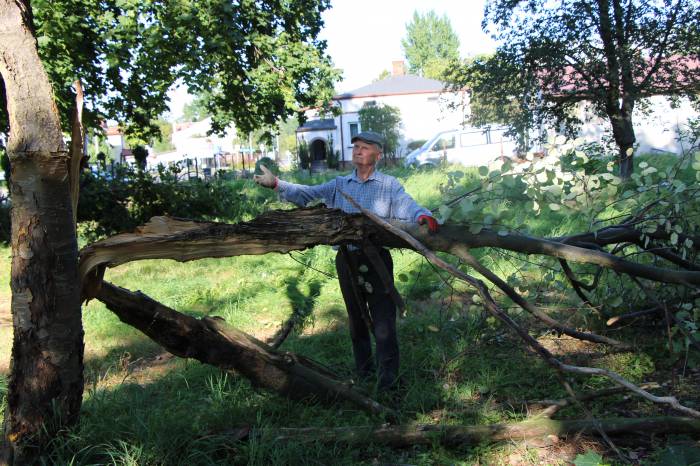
(385, 120)
(430, 44)
(552, 56)
(259, 62)
(590, 458)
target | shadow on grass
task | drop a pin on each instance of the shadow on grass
(457, 370)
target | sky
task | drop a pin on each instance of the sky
(364, 36)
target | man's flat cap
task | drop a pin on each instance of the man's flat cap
(370, 137)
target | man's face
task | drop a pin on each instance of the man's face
(365, 153)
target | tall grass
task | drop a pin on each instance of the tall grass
(458, 366)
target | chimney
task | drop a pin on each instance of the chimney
(398, 68)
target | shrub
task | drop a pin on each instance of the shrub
(332, 157)
(119, 201)
(140, 154)
(303, 155)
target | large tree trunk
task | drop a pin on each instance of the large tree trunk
(212, 342)
(619, 100)
(46, 380)
(623, 132)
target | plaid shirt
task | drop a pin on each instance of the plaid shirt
(381, 194)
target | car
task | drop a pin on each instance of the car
(469, 146)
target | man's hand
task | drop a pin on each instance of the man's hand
(432, 223)
(267, 179)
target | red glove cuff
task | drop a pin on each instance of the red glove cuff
(432, 223)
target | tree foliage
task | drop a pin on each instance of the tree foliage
(648, 219)
(257, 61)
(125, 197)
(382, 75)
(195, 110)
(612, 54)
(385, 120)
(140, 154)
(287, 136)
(430, 44)
(164, 142)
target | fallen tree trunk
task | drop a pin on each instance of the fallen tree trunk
(284, 231)
(212, 342)
(182, 240)
(406, 436)
(491, 306)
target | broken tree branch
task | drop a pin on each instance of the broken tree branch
(463, 253)
(212, 342)
(492, 307)
(460, 436)
(76, 147)
(284, 231)
(555, 405)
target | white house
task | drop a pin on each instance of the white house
(192, 143)
(657, 129)
(117, 142)
(422, 102)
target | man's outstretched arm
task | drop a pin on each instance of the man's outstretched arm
(297, 194)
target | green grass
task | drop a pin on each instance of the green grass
(458, 366)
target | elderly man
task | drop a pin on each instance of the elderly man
(362, 282)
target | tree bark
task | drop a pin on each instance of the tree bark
(623, 133)
(284, 231)
(212, 342)
(76, 148)
(619, 92)
(46, 380)
(461, 436)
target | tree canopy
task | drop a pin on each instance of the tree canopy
(610, 53)
(385, 120)
(196, 110)
(430, 44)
(258, 61)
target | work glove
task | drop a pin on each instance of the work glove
(267, 179)
(432, 223)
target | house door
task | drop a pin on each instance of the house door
(318, 150)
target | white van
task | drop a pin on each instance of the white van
(468, 146)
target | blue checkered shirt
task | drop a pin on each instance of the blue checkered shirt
(381, 194)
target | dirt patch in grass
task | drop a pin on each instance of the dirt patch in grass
(550, 450)
(574, 350)
(142, 371)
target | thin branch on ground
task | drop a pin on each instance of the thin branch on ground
(534, 344)
(553, 406)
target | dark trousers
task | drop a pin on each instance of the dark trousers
(381, 309)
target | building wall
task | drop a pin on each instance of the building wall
(657, 131)
(116, 143)
(422, 116)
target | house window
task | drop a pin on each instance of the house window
(354, 129)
